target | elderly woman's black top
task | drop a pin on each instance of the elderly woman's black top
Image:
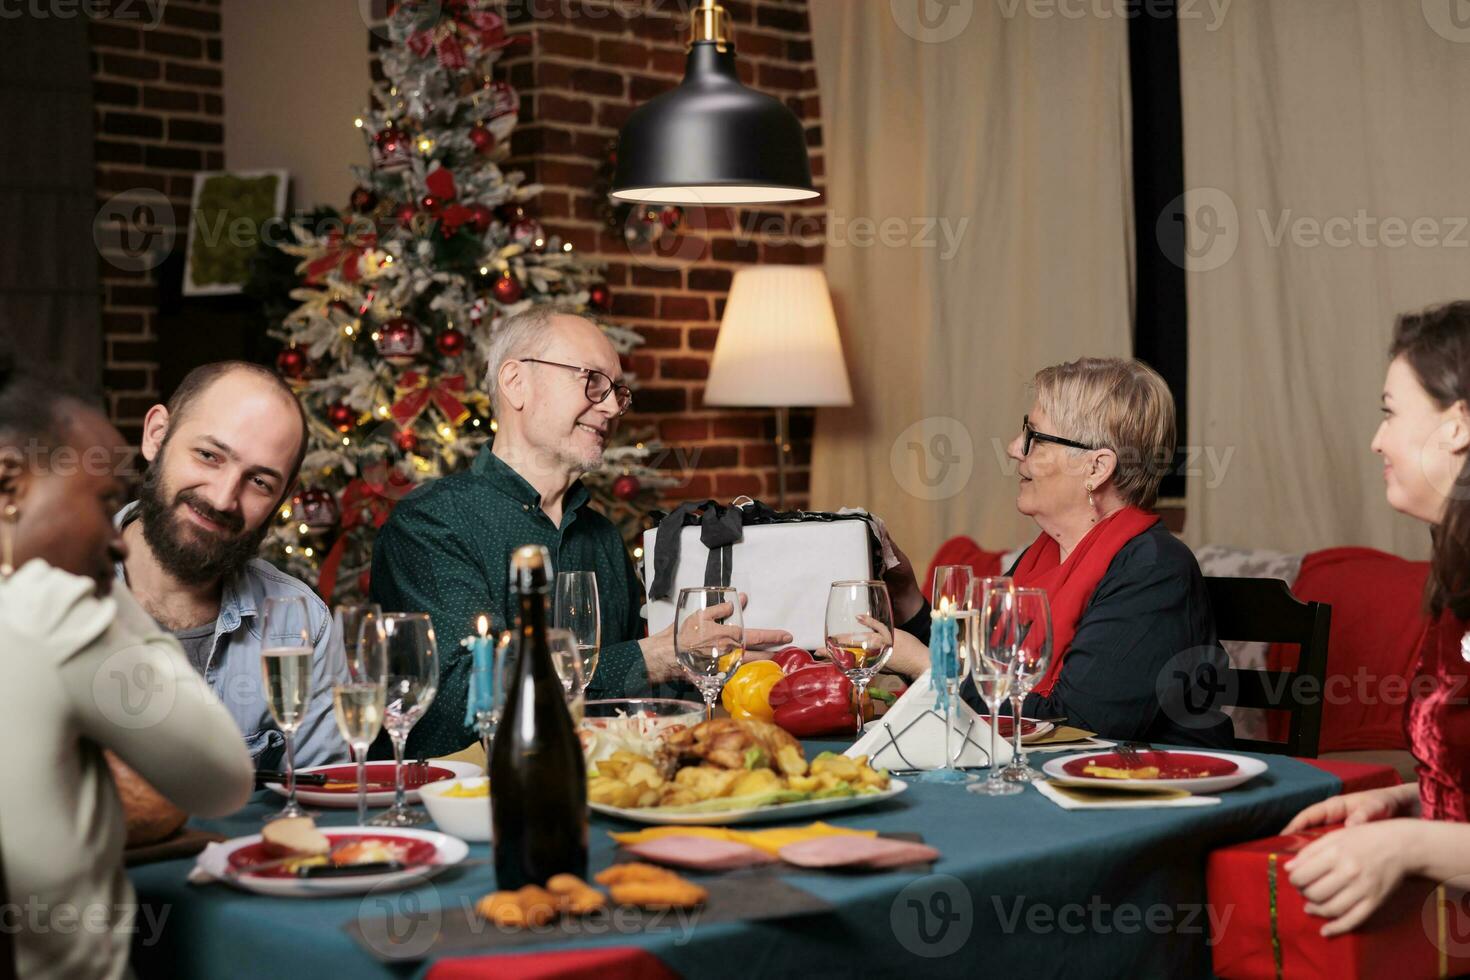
(1144, 659)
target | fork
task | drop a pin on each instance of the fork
(1128, 752)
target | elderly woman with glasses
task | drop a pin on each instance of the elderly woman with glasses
(1134, 652)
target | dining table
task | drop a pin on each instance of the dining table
(1022, 888)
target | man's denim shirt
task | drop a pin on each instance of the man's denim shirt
(233, 671)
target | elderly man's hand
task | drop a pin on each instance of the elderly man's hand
(658, 649)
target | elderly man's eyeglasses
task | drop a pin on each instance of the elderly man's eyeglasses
(1030, 435)
(599, 385)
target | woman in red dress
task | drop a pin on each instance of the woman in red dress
(1421, 829)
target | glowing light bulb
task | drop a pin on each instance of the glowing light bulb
(302, 528)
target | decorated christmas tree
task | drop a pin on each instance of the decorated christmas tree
(393, 305)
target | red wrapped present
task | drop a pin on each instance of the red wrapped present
(1263, 929)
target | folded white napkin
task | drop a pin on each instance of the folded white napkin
(213, 856)
(911, 735)
(1119, 800)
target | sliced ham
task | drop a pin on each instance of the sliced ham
(699, 853)
(856, 852)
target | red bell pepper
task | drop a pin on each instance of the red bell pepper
(815, 700)
(791, 659)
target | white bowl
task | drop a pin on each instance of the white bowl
(465, 817)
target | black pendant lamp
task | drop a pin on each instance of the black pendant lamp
(711, 140)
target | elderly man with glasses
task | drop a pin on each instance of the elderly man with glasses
(553, 381)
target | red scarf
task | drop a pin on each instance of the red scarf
(1069, 585)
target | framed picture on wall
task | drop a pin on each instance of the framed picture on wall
(226, 215)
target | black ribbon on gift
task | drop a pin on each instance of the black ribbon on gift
(721, 528)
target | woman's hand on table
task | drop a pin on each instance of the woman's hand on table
(1352, 809)
(1346, 875)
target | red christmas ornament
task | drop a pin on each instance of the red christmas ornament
(400, 341)
(483, 140)
(317, 509)
(405, 214)
(480, 218)
(600, 297)
(406, 440)
(507, 290)
(363, 200)
(450, 343)
(340, 416)
(671, 217)
(291, 363)
(626, 487)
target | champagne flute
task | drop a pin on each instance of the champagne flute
(1033, 657)
(412, 657)
(992, 666)
(360, 689)
(577, 608)
(859, 632)
(951, 582)
(285, 670)
(709, 639)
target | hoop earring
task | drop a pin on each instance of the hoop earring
(8, 518)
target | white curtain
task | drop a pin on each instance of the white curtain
(989, 152)
(1325, 152)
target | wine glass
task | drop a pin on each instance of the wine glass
(951, 582)
(859, 632)
(709, 639)
(991, 667)
(412, 657)
(576, 608)
(285, 670)
(360, 689)
(1033, 657)
(975, 594)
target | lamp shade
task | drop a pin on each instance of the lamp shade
(711, 140)
(778, 342)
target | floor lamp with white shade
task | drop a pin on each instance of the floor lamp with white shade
(778, 347)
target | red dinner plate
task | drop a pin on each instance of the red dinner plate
(1172, 765)
(379, 777)
(416, 852)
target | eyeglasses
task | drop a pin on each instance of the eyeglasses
(1030, 435)
(599, 385)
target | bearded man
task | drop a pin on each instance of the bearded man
(223, 456)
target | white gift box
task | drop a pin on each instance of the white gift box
(785, 569)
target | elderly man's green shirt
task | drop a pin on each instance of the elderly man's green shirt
(446, 551)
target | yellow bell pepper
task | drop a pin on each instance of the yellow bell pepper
(747, 693)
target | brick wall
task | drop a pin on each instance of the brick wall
(588, 65)
(156, 87)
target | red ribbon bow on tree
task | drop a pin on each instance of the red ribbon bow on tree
(367, 500)
(415, 391)
(452, 215)
(463, 26)
(342, 253)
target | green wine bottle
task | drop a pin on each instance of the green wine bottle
(538, 778)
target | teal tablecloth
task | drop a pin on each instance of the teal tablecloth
(1023, 889)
